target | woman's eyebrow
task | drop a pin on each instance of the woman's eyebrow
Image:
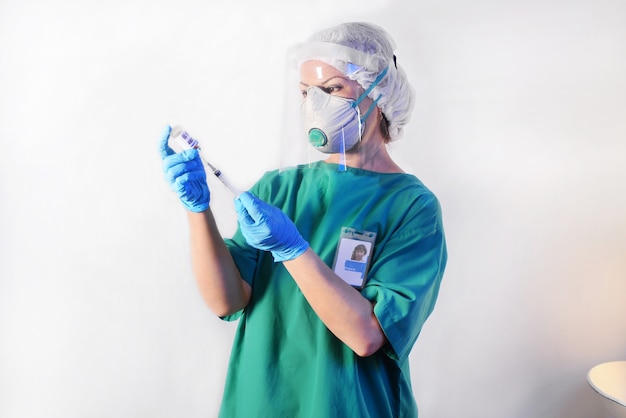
(325, 81)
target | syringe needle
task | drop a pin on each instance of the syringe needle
(211, 166)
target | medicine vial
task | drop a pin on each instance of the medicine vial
(179, 140)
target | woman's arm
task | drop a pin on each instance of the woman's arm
(345, 312)
(217, 276)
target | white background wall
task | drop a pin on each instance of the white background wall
(520, 129)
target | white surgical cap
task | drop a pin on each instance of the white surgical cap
(362, 51)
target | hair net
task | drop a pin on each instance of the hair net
(362, 51)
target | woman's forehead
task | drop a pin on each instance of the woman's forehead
(314, 70)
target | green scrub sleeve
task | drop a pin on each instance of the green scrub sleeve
(404, 281)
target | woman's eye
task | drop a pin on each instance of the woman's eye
(328, 90)
(332, 88)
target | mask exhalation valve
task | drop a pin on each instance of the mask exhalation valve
(317, 137)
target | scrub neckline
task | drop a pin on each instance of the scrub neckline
(333, 166)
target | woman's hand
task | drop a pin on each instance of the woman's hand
(184, 172)
(265, 227)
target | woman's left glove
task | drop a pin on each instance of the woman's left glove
(185, 174)
(265, 227)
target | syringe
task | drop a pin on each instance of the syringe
(218, 173)
(180, 140)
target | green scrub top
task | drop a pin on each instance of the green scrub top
(284, 361)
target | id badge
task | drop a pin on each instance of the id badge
(354, 251)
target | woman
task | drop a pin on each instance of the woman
(308, 343)
(358, 253)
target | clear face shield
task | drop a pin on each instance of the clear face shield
(327, 111)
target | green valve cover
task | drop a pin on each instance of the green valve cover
(317, 138)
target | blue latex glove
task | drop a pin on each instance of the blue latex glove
(185, 175)
(266, 227)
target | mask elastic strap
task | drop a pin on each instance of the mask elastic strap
(366, 92)
(370, 88)
(372, 107)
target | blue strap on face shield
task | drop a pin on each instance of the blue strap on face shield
(366, 92)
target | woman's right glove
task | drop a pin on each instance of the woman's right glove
(185, 174)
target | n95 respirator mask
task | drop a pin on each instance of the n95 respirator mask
(333, 124)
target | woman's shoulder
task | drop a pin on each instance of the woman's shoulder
(402, 188)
